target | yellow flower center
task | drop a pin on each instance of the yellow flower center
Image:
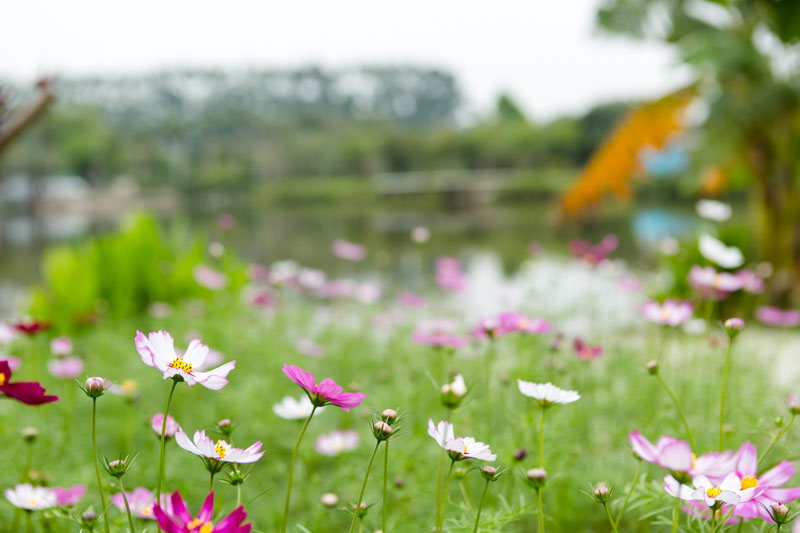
(201, 527)
(220, 448)
(2, 379)
(748, 482)
(146, 511)
(465, 449)
(180, 364)
(694, 461)
(32, 502)
(713, 492)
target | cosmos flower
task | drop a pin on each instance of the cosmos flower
(226, 221)
(751, 281)
(592, 254)
(546, 393)
(670, 313)
(283, 273)
(348, 250)
(677, 457)
(291, 408)
(728, 492)
(158, 421)
(772, 316)
(310, 279)
(157, 350)
(713, 210)
(31, 326)
(326, 392)
(458, 448)
(310, 348)
(27, 392)
(336, 442)
(410, 300)
(220, 451)
(514, 322)
(30, 498)
(181, 521)
(141, 502)
(13, 362)
(209, 278)
(420, 234)
(584, 351)
(713, 284)
(449, 275)
(61, 346)
(66, 367)
(717, 252)
(67, 497)
(7, 333)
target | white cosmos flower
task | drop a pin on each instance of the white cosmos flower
(441, 432)
(729, 491)
(157, 350)
(459, 448)
(547, 393)
(715, 251)
(31, 498)
(221, 451)
(294, 409)
(336, 442)
(713, 210)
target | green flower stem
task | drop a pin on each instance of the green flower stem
(211, 483)
(96, 466)
(440, 525)
(29, 521)
(540, 510)
(541, 440)
(676, 515)
(161, 460)
(385, 482)
(363, 487)
(440, 474)
(127, 507)
(722, 399)
(776, 438)
(610, 518)
(28, 463)
(679, 409)
(628, 497)
(480, 507)
(291, 472)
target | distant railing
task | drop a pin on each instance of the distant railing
(442, 181)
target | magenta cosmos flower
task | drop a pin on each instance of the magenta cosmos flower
(593, 254)
(141, 502)
(157, 350)
(772, 316)
(220, 451)
(182, 521)
(677, 457)
(767, 485)
(586, 352)
(31, 326)
(67, 497)
(712, 284)
(324, 393)
(449, 275)
(670, 313)
(27, 392)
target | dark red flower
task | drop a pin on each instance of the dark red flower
(27, 392)
(31, 326)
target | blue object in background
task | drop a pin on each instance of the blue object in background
(652, 225)
(668, 162)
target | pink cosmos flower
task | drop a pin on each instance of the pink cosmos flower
(338, 288)
(677, 457)
(459, 448)
(209, 278)
(181, 521)
(729, 491)
(391, 317)
(751, 281)
(348, 250)
(712, 284)
(336, 442)
(772, 316)
(310, 348)
(311, 279)
(671, 313)
(141, 502)
(438, 339)
(367, 293)
(67, 497)
(593, 254)
(449, 275)
(410, 300)
(767, 486)
(257, 272)
(157, 350)
(65, 368)
(585, 351)
(326, 392)
(488, 326)
(226, 221)
(512, 321)
(220, 451)
(13, 362)
(171, 428)
(61, 346)
(7, 333)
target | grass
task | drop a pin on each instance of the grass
(584, 442)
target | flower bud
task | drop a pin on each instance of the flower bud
(601, 492)
(779, 512)
(29, 434)
(793, 403)
(652, 367)
(459, 473)
(778, 421)
(118, 467)
(236, 477)
(89, 520)
(490, 473)
(94, 387)
(734, 326)
(225, 426)
(453, 393)
(399, 481)
(389, 416)
(536, 477)
(382, 430)
(361, 511)
(329, 499)
(520, 454)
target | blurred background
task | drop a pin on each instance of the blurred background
(494, 130)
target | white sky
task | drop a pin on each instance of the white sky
(546, 53)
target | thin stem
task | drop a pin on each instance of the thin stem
(127, 507)
(628, 497)
(679, 409)
(385, 483)
(610, 518)
(28, 462)
(713, 520)
(363, 487)
(291, 472)
(444, 500)
(211, 482)
(96, 466)
(238, 495)
(440, 474)
(29, 521)
(541, 440)
(161, 460)
(676, 515)
(465, 495)
(776, 438)
(480, 507)
(722, 399)
(540, 510)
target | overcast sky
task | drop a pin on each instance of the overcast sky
(546, 53)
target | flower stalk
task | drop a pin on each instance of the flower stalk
(291, 471)
(161, 459)
(364, 486)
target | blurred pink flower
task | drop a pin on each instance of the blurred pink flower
(712, 284)
(61, 346)
(257, 272)
(158, 420)
(65, 367)
(310, 348)
(311, 279)
(326, 392)
(209, 278)
(337, 288)
(630, 284)
(593, 254)
(586, 352)
(513, 321)
(390, 317)
(751, 281)
(261, 297)
(336, 442)
(141, 502)
(677, 456)
(367, 293)
(439, 339)
(67, 497)
(226, 221)
(348, 250)
(13, 362)
(410, 300)
(449, 275)
(7, 333)
(772, 316)
(670, 313)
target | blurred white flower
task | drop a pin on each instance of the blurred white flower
(713, 210)
(294, 409)
(336, 442)
(715, 251)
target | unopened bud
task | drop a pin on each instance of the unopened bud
(225, 426)
(94, 387)
(89, 520)
(780, 513)
(520, 454)
(536, 477)
(329, 499)
(399, 481)
(459, 473)
(361, 510)
(734, 326)
(652, 367)
(489, 473)
(389, 416)
(382, 430)
(118, 467)
(29, 434)
(793, 403)
(601, 492)
(453, 393)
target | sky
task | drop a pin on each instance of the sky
(547, 54)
